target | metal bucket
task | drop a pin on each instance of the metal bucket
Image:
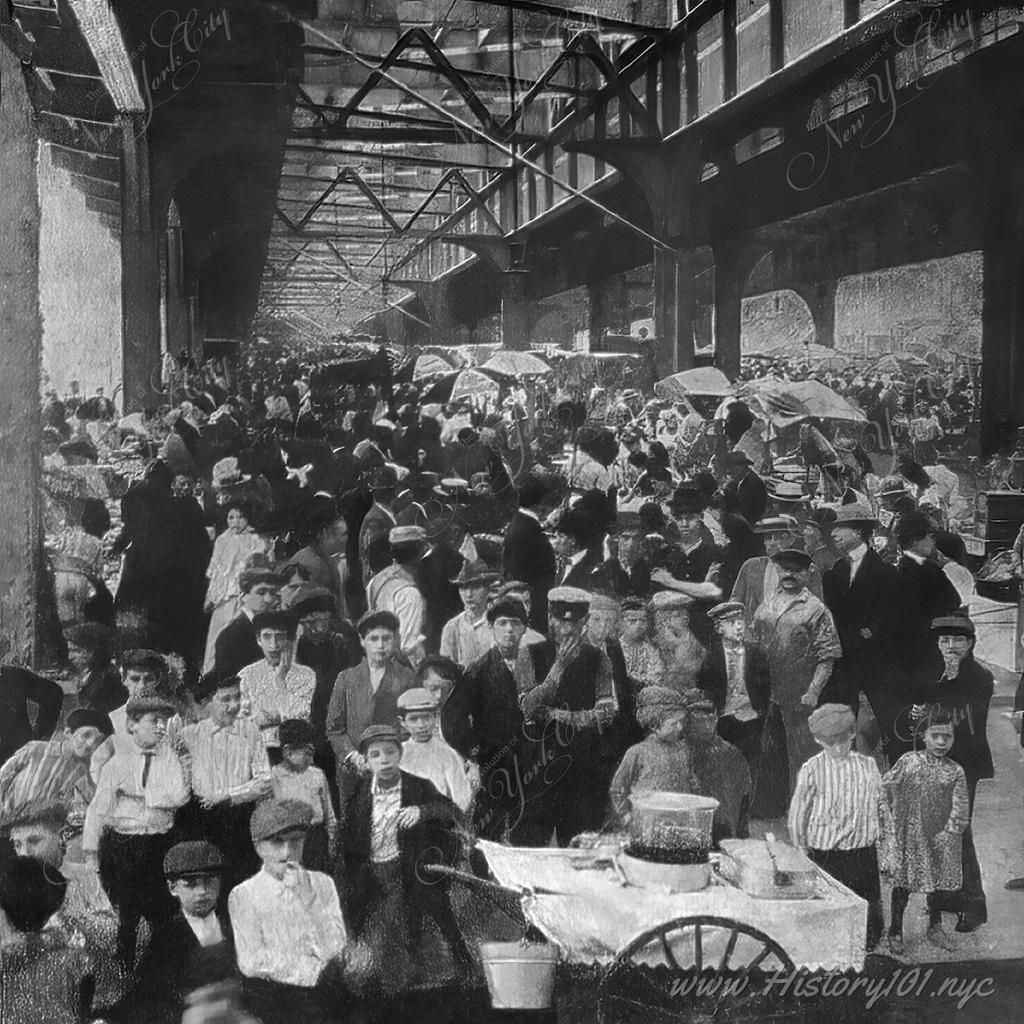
(520, 976)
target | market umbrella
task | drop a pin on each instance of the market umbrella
(703, 380)
(429, 364)
(461, 384)
(775, 401)
(517, 364)
(824, 403)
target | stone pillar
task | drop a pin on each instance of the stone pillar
(517, 314)
(1002, 317)
(729, 281)
(21, 559)
(674, 302)
(179, 328)
(140, 274)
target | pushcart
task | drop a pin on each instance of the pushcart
(657, 950)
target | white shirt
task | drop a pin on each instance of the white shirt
(856, 556)
(441, 765)
(206, 929)
(287, 930)
(383, 822)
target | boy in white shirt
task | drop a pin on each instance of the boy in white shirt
(128, 823)
(426, 754)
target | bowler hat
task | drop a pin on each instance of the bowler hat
(193, 859)
(274, 817)
(376, 733)
(295, 732)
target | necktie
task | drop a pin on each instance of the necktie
(148, 761)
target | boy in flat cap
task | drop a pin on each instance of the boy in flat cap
(194, 947)
(393, 826)
(229, 771)
(276, 687)
(55, 771)
(128, 824)
(425, 754)
(289, 931)
(836, 807)
(297, 778)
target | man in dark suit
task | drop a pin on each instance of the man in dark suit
(745, 493)
(482, 720)
(237, 646)
(394, 826)
(627, 573)
(864, 596)
(579, 541)
(189, 950)
(928, 592)
(374, 550)
(19, 688)
(527, 553)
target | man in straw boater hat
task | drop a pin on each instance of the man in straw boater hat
(467, 636)
(758, 577)
(575, 702)
(864, 596)
(396, 589)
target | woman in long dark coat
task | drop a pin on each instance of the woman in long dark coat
(163, 575)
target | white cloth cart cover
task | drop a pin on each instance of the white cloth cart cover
(597, 916)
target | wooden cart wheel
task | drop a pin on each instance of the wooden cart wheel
(657, 977)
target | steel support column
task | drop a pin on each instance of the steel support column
(729, 282)
(140, 273)
(179, 334)
(517, 314)
(21, 548)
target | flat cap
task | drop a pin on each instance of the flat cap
(296, 732)
(90, 636)
(831, 720)
(407, 535)
(954, 625)
(570, 604)
(776, 524)
(726, 610)
(416, 699)
(792, 558)
(309, 600)
(378, 732)
(272, 817)
(507, 607)
(663, 599)
(604, 602)
(82, 718)
(382, 619)
(149, 703)
(187, 860)
(281, 619)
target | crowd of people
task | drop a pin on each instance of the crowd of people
(318, 655)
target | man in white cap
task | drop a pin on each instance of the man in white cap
(395, 589)
(426, 754)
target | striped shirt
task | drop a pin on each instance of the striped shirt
(44, 772)
(268, 701)
(836, 803)
(226, 760)
(384, 822)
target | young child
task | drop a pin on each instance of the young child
(297, 778)
(427, 755)
(231, 550)
(230, 773)
(128, 824)
(927, 793)
(834, 813)
(662, 761)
